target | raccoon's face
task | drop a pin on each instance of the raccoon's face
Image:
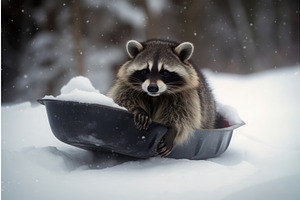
(158, 67)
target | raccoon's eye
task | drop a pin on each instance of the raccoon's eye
(164, 72)
(144, 71)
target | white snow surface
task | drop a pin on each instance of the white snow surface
(262, 161)
(80, 89)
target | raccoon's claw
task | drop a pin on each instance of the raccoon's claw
(163, 148)
(142, 121)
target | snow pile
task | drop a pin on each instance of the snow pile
(80, 89)
(262, 161)
(229, 113)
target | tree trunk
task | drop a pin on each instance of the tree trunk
(76, 23)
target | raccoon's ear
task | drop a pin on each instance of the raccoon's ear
(184, 51)
(133, 47)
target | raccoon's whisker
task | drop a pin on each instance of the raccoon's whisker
(172, 87)
(135, 80)
(175, 83)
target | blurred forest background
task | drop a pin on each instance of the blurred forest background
(46, 42)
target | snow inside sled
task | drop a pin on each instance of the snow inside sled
(102, 128)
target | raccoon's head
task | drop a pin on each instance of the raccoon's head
(159, 67)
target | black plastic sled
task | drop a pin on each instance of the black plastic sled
(101, 128)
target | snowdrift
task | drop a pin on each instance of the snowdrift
(262, 161)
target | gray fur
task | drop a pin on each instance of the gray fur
(182, 109)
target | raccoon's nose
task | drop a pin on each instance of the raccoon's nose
(152, 88)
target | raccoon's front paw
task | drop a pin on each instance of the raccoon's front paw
(164, 147)
(141, 119)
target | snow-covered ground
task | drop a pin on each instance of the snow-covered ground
(262, 161)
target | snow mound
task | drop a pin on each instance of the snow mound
(229, 113)
(80, 83)
(80, 89)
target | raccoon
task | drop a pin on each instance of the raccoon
(159, 83)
